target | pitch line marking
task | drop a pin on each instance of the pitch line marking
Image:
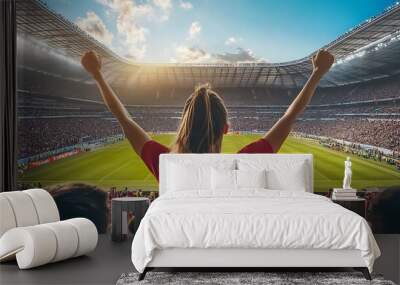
(115, 170)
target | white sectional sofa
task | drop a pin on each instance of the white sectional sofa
(31, 231)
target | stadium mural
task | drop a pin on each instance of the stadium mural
(67, 135)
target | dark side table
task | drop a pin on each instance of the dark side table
(357, 205)
(124, 209)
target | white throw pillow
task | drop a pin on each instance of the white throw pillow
(251, 178)
(183, 177)
(223, 179)
(183, 174)
(281, 174)
(291, 178)
(228, 179)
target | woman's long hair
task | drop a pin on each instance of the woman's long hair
(203, 122)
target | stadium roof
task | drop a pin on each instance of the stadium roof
(368, 51)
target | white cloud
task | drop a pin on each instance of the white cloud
(130, 16)
(194, 30)
(94, 26)
(233, 41)
(165, 7)
(132, 36)
(185, 5)
(191, 55)
(241, 56)
(186, 54)
(128, 8)
(163, 4)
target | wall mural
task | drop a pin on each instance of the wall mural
(68, 140)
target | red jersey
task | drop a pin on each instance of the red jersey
(151, 152)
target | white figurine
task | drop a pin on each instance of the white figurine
(347, 174)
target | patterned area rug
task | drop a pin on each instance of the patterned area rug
(243, 278)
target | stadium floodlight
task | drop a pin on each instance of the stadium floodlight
(374, 46)
(351, 57)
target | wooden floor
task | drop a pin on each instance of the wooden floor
(103, 266)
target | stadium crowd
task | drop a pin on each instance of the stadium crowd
(43, 82)
(52, 120)
(42, 135)
(380, 133)
(358, 149)
(372, 90)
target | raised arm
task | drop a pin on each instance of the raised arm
(133, 132)
(322, 62)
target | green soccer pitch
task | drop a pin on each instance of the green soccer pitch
(117, 165)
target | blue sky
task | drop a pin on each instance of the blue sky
(217, 30)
